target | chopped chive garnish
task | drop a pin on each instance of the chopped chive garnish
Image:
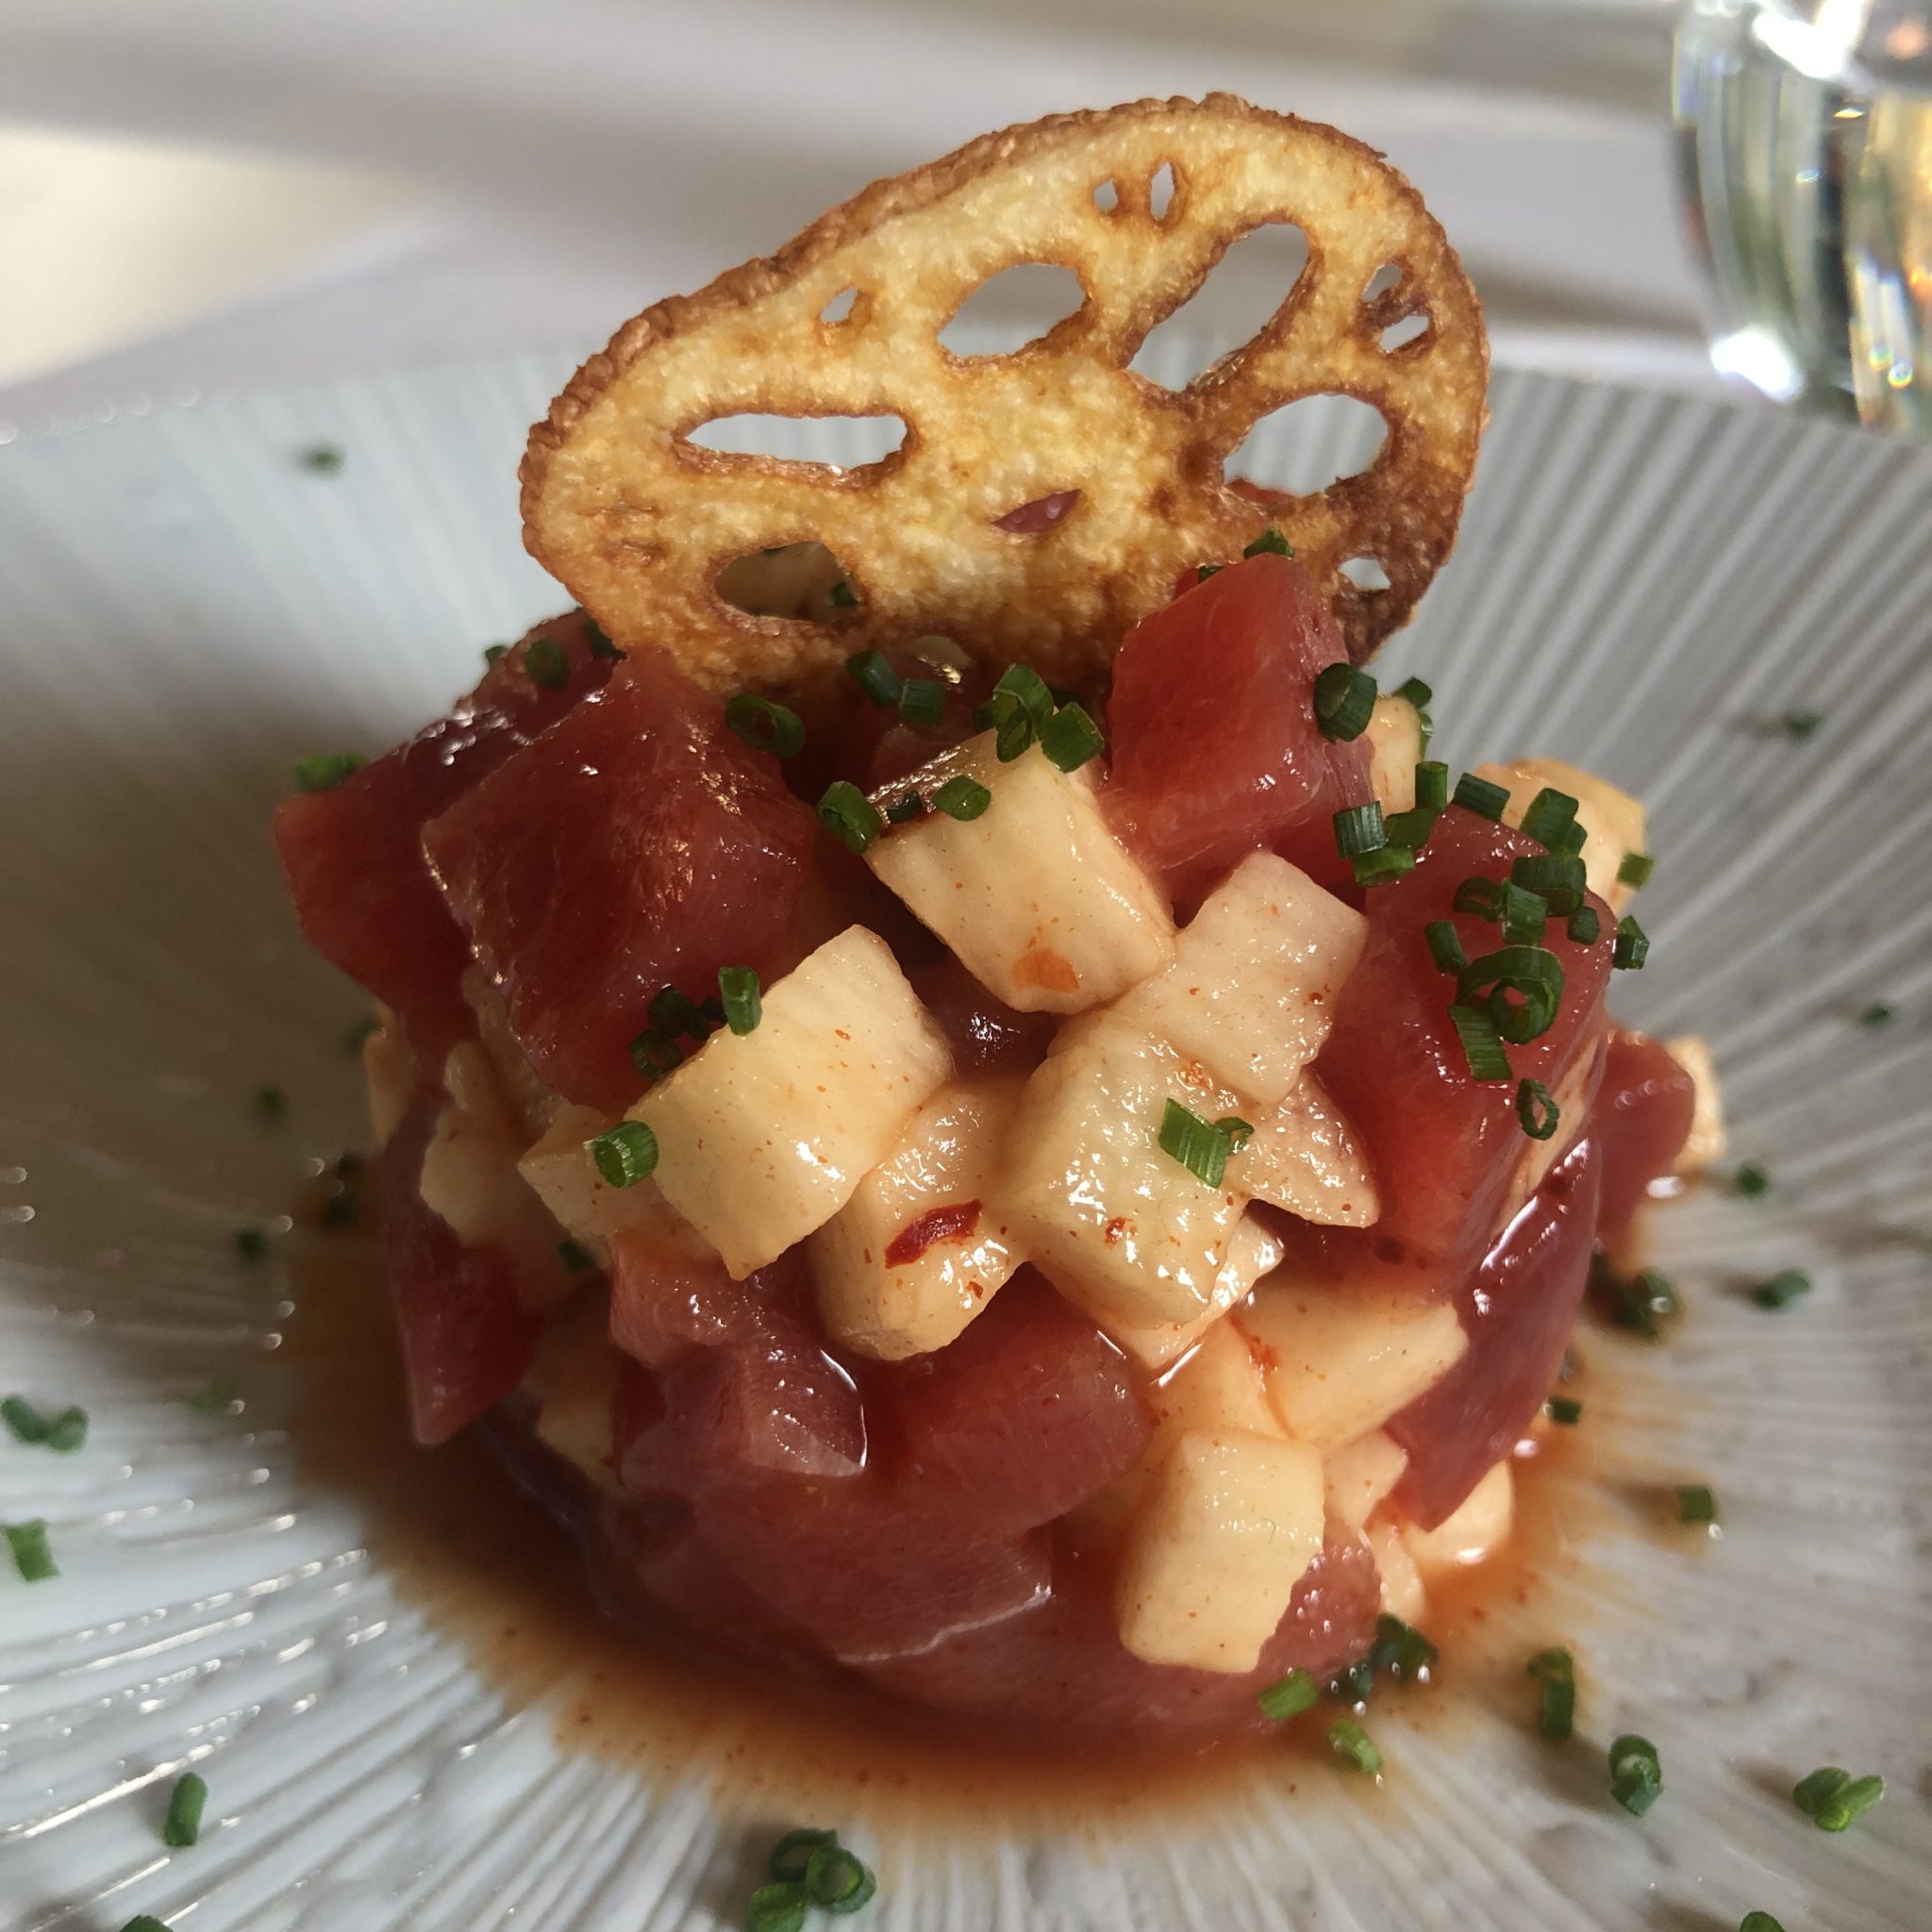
(1534, 972)
(1204, 571)
(776, 1907)
(144, 1921)
(1877, 1015)
(25, 1421)
(765, 725)
(1201, 1146)
(1535, 1110)
(1355, 1683)
(738, 993)
(793, 1853)
(323, 771)
(1696, 1502)
(1751, 1181)
(1556, 877)
(1802, 724)
(31, 1556)
(1445, 948)
(1565, 1409)
(321, 459)
(1271, 542)
(1636, 1777)
(1479, 796)
(1288, 1697)
(1522, 914)
(495, 654)
(599, 641)
(711, 1012)
(1758, 1922)
(1554, 1670)
(1350, 1744)
(1480, 898)
(1550, 815)
(1419, 695)
(1782, 1289)
(271, 1103)
(1832, 1798)
(961, 797)
(1482, 1045)
(1635, 868)
(1638, 1302)
(1572, 839)
(1345, 702)
(576, 1258)
(1633, 945)
(1411, 828)
(251, 1244)
(1401, 1649)
(672, 1012)
(843, 595)
(625, 1154)
(1432, 786)
(921, 701)
(875, 677)
(904, 808)
(1069, 738)
(654, 1054)
(849, 815)
(182, 1825)
(67, 1432)
(215, 1397)
(836, 1881)
(1359, 828)
(1387, 862)
(1024, 686)
(1584, 926)
(545, 664)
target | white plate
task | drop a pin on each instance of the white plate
(1645, 585)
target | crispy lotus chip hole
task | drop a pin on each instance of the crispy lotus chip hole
(651, 531)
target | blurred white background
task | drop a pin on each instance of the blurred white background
(212, 194)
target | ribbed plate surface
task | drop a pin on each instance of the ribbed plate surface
(1645, 585)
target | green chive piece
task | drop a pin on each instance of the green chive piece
(875, 677)
(1555, 1670)
(1696, 1502)
(1640, 1303)
(1633, 945)
(843, 595)
(145, 1921)
(1199, 1145)
(1384, 864)
(494, 653)
(671, 1012)
(1350, 1744)
(215, 1397)
(1521, 969)
(1069, 738)
(1345, 702)
(1782, 1289)
(1416, 691)
(1203, 572)
(921, 701)
(251, 1244)
(1636, 1777)
(546, 664)
(1584, 926)
(31, 1556)
(1411, 828)
(653, 1054)
(321, 459)
(1565, 1409)
(1401, 1649)
(67, 1432)
(625, 1154)
(576, 1258)
(1550, 815)
(1479, 796)
(599, 641)
(1535, 1110)
(1482, 1045)
(1522, 914)
(26, 1423)
(738, 992)
(1758, 1922)
(1559, 879)
(1572, 841)
(1432, 786)
(776, 1907)
(1419, 695)
(1635, 869)
(904, 808)
(1355, 1683)
(1802, 724)
(849, 815)
(1288, 1697)
(836, 1881)
(1751, 1181)
(323, 771)
(1877, 1015)
(1271, 542)
(1832, 1799)
(765, 725)
(182, 1825)
(961, 798)
(793, 1854)
(1446, 946)
(711, 1012)
(1359, 828)
(1024, 686)
(1480, 898)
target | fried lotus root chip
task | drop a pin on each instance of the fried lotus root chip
(637, 520)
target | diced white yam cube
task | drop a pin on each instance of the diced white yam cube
(1219, 1387)
(1341, 1361)
(1707, 1140)
(1475, 1530)
(1404, 1592)
(1251, 992)
(1038, 898)
(930, 1197)
(574, 1381)
(1128, 1232)
(388, 1076)
(1613, 821)
(562, 1170)
(1305, 1156)
(1253, 1250)
(1231, 1523)
(762, 1136)
(1358, 1476)
(1394, 739)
